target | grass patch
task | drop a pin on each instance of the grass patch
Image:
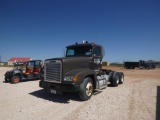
(6, 66)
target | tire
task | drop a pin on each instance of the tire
(110, 76)
(6, 80)
(15, 79)
(115, 79)
(121, 77)
(86, 89)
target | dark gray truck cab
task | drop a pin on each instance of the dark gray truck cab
(79, 71)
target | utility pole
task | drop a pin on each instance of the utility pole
(0, 59)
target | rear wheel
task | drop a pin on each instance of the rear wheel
(110, 76)
(121, 77)
(15, 79)
(115, 79)
(86, 89)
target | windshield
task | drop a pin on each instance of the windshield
(30, 64)
(79, 51)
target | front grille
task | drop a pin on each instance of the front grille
(53, 71)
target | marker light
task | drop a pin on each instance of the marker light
(75, 78)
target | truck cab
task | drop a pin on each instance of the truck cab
(79, 71)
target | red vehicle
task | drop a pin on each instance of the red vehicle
(24, 71)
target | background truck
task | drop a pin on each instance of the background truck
(79, 71)
(141, 64)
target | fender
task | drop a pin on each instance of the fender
(82, 74)
(17, 72)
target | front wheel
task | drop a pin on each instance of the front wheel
(86, 89)
(15, 79)
(6, 79)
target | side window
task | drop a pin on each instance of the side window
(88, 52)
(38, 63)
(70, 52)
(97, 51)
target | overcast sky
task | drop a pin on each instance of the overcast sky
(128, 29)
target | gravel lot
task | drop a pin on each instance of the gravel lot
(137, 99)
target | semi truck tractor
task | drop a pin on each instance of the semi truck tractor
(79, 71)
(141, 64)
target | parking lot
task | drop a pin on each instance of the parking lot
(137, 99)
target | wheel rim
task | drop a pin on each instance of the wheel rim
(89, 89)
(117, 80)
(16, 79)
(122, 79)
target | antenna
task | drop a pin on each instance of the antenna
(63, 52)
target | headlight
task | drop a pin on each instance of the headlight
(68, 78)
(71, 78)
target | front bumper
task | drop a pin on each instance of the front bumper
(59, 88)
(7, 78)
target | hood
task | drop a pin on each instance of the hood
(72, 63)
(11, 72)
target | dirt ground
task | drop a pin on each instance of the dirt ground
(137, 99)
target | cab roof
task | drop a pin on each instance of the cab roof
(83, 44)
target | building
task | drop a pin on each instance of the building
(18, 59)
(106, 63)
(2, 63)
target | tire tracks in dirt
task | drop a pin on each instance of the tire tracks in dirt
(137, 103)
(131, 104)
